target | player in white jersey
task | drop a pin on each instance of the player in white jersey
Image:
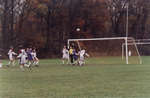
(23, 61)
(0, 63)
(35, 59)
(65, 56)
(82, 55)
(11, 55)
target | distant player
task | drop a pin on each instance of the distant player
(0, 63)
(82, 55)
(65, 56)
(35, 59)
(11, 55)
(29, 56)
(71, 54)
(75, 57)
(130, 53)
(23, 61)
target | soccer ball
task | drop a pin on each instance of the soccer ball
(78, 29)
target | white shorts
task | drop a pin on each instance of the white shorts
(11, 58)
(23, 61)
(81, 58)
(35, 58)
(65, 57)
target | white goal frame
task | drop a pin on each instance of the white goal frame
(111, 38)
(136, 42)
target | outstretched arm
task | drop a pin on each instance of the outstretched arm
(87, 54)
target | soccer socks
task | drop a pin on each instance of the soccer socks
(13, 63)
(21, 67)
(37, 63)
(63, 62)
(9, 62)
(29, 63)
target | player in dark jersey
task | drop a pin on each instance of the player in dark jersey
(29, 56)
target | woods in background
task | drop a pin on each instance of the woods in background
(47, 24)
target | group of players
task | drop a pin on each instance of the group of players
(74, 57)
(26, 58)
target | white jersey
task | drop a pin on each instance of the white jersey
(82, 53)
(23, 57)
(65, 54)
(34, 54)
(11, 54)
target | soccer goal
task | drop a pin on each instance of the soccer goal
(104, 50)
(142, 47)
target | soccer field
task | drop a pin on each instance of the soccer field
(53, 80)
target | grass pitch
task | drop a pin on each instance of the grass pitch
(53, 80)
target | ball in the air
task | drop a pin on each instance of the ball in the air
(78, 29)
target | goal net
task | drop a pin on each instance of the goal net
(106, 50)
(143, 47)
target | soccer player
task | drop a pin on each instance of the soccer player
(82, 55)
(0, 63)
(11, 55)
(29, 56)
(75, 56)
(35, 59)
(22, 56)
(65, 56)
(71, 54)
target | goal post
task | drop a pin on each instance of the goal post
(137, 43)
(125, 40)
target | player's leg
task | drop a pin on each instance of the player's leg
(10, 62)
(13, 62)
(25, 63)
(75, 60)
(22, 66)
(81, 61)
(68, 60)
(63, 61)
(36, 61)
(71, 59)
(63, 58)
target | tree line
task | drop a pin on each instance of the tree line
(47, 24)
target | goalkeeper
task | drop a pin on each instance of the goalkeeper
(71, 54)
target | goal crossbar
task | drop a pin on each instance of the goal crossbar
(111, 38)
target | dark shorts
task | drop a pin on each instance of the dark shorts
(30, 58)
(75, 57)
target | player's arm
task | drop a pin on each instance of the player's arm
(14, 53)
(19, 56)
(8, 52)
(87, 54)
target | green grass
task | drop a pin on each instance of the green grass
(53, 80)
